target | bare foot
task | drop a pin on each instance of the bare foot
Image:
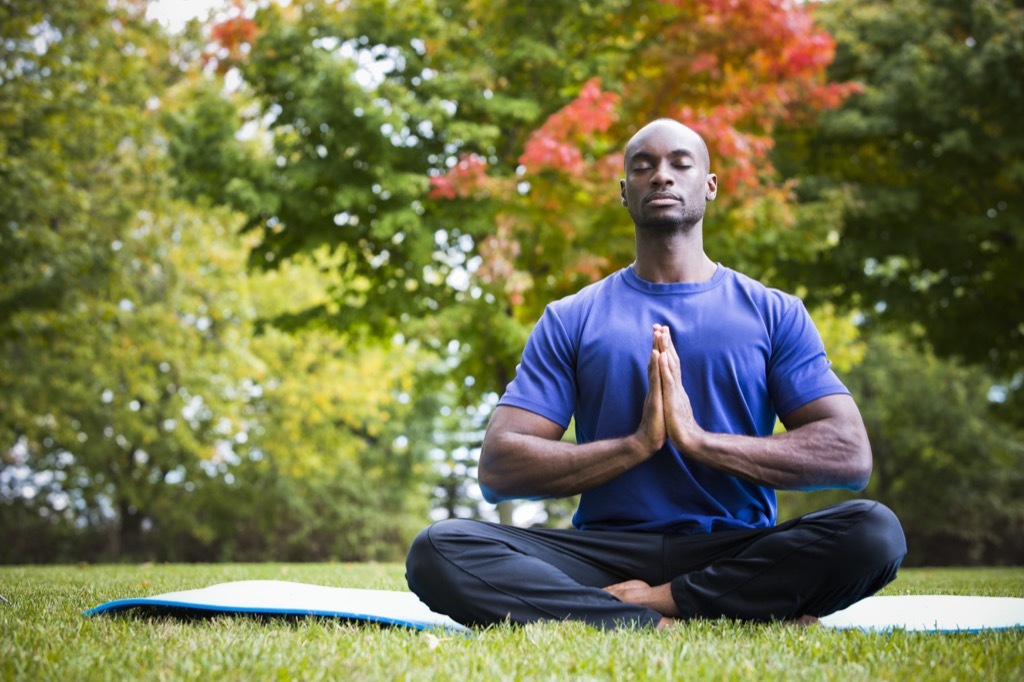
(803, 620)
(638, 592)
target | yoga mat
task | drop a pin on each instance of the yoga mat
(916, 613)
(278, 597)
(930, 613)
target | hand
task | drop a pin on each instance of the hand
(652, 433)
(680, 424)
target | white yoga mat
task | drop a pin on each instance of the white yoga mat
(278, 597)
(918, 613)
(936, 613)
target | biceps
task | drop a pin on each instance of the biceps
(840, 408)
(513, 420)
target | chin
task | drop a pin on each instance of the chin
(665, 225)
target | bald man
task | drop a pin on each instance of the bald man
(675, 369)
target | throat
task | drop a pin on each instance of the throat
(679, 258)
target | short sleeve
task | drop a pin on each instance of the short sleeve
(799, 371)
(545, 381)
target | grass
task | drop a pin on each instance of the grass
(43, 636)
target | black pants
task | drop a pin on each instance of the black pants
(480, 573)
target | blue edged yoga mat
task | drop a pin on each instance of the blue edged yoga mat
(282, 598)
(917, 613)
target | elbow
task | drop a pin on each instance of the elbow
(859, 480)
(860, 466)
(490, 481)
(491, 494)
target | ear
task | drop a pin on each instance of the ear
(712, 186)
(622, 191)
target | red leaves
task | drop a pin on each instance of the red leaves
(743, 68)
(234, 32)
(555, 144)
(733, 70)
(467, 179)
(233, 37)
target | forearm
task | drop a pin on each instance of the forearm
(825, 444)
(515, 465)
(821, 454)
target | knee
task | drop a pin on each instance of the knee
(878, 534)
(885, 528)
(429, 558)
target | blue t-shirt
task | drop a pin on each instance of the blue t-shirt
(748, 353)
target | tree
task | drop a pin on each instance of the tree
(75, 79)
(929, 156)
(462, 159)
(140, 414)
(465, 193)
(73, 169)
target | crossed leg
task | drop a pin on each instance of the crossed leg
(481, 573)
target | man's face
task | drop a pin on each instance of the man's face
(668, 182)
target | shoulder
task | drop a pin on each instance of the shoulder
(580, 305)
(761, 294)
(773, 307)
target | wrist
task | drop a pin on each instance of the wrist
(639, 447)
(693, 442)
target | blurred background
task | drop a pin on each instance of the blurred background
(265, 267)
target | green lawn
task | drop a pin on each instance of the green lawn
(43, 636)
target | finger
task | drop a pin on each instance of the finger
(668, 346)
(654, 373)
(674, 361)
(656, 383)
(666, 371)
(660, 340)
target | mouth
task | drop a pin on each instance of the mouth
(662, 199)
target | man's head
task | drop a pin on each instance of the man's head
(668, 177)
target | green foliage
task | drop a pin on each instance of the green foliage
(417, 180)
(953, 475)
(154, 416)
(46, 637)
(929, 159)
(207, 161)
(72, 91)
(140, 415)
(463, 158)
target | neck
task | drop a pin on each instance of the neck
(665, 258)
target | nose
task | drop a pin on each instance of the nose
(661, 176)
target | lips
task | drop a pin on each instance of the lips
(662, 198)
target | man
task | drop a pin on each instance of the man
(675, 369)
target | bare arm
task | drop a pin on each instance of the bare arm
(825, 445)
(523, 454)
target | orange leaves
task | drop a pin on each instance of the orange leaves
(234, 32)
(734, 71)
(555, 144)
(810, 55)
(758, 53)
(233, 36)
(467, 179)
